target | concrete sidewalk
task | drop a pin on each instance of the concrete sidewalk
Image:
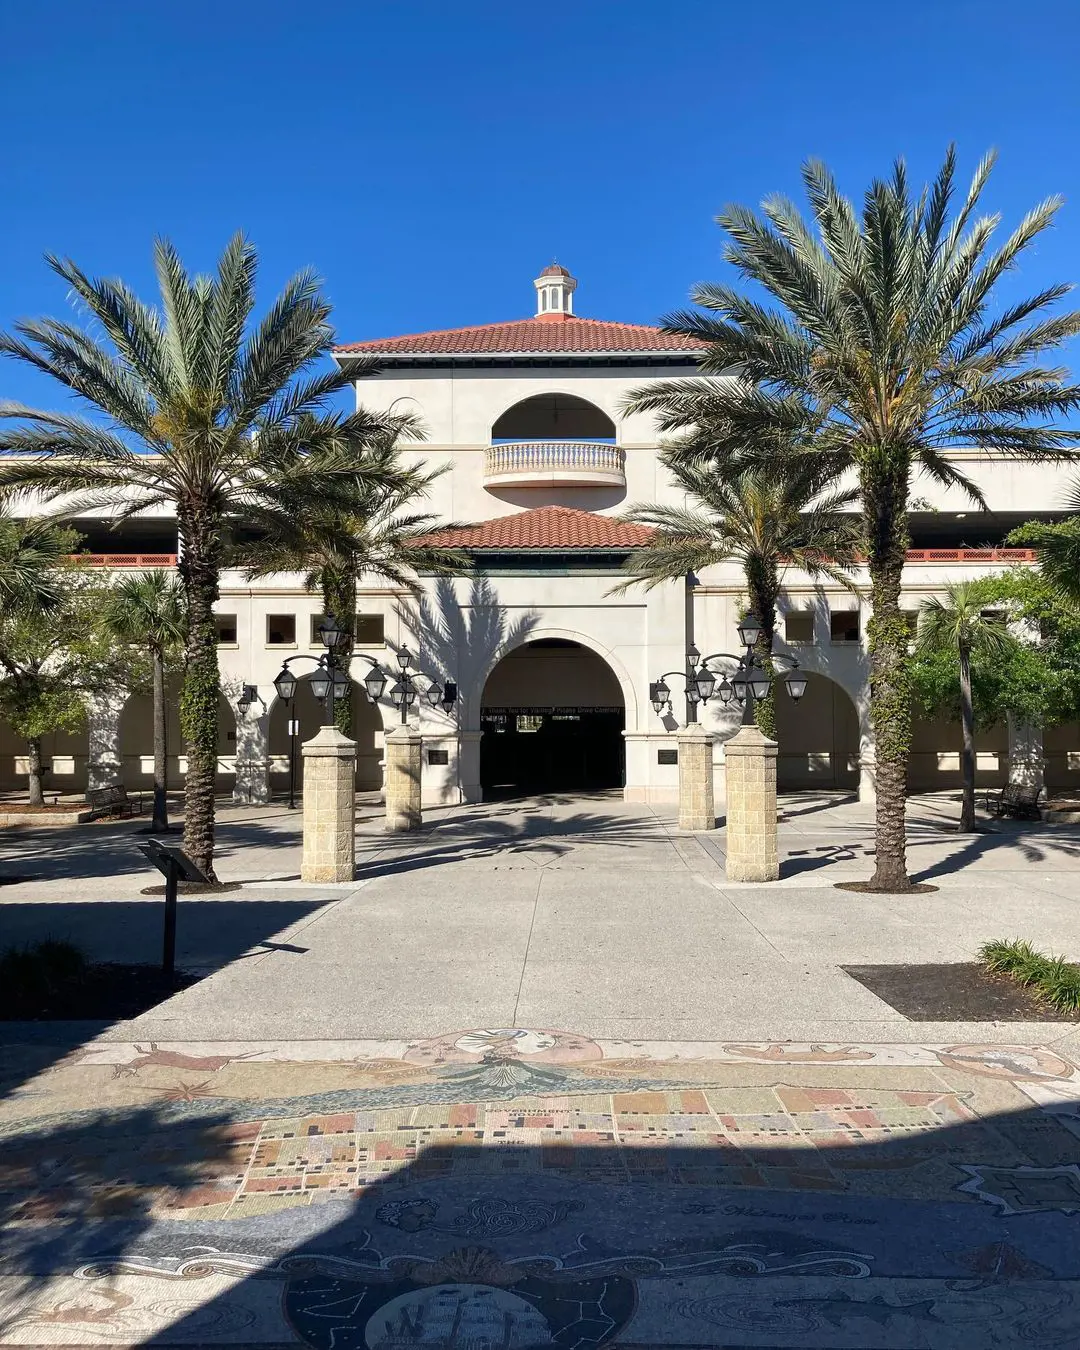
(583, 913)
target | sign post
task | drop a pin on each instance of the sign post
(175, 866)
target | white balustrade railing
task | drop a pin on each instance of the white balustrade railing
(516, 457)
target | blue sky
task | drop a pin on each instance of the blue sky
(428, 157)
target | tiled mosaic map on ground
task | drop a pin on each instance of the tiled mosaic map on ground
(505, 1189)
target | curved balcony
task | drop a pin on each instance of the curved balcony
(554, 464)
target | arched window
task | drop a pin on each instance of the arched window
(554, 417)
(543, 299)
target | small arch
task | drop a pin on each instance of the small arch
(553, 417)
(367, 730)
(818, 737)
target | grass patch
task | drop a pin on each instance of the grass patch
(1050, 977)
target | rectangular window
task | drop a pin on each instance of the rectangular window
(226, 629)
(370, 630)
(799, 625)
(844, 625)
(281, 630)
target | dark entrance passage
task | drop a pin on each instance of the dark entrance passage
(529, 750)
(551, 720)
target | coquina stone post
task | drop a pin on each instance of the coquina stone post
(751, 807)
(697, 809)
(404, 750)
(329, 807)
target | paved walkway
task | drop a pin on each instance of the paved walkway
(581, 912)
(540, 1077)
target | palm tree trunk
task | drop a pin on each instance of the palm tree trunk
(884, 504)
(199, 571)
(36, 796)
(967, 720)
(161, 809)
(339, 599)
(763, 584)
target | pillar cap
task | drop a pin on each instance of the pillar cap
(406, 733)
(750, 741)
(331, 743)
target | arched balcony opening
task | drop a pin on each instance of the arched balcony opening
(554, 440)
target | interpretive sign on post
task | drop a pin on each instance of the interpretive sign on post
(175, 866)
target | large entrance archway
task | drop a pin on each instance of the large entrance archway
(552, 717)
(818, 738)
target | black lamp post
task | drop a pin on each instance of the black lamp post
(748, 685)
(406, 691)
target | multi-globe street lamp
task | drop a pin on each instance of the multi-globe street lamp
(748, 685)
(406, 691)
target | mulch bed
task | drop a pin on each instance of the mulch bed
(103, 992)
(195, 888)
(958, 992)
(865, 888)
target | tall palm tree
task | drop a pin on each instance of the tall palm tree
(961, 624)
(767, 516)
(147, 609)
(371, 532)
(880, 324)
(194, 405)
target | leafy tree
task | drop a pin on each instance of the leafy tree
(960, 624)
(194, 406)
(878, 327)
(30, 556)
(147, 610)
(768, 516)
(55, 657)
(370, 532)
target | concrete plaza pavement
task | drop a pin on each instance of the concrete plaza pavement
(577, 912)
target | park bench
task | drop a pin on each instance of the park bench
(111, 800)
(1015, 799)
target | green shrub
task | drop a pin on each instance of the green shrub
(1050, 977)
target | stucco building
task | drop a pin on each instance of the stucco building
(552, 668)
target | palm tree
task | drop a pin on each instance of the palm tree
(194, 406)
(1057, 546)
(147, 609)
(768, 517)
(879, 325)
(372, 532)
(961, 624)
(31, 554)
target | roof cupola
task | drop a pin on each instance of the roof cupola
(555, 289)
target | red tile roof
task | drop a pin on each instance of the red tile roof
(551, 333)
(545, 527)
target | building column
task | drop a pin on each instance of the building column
(752, 853)
(468, 765)
(329, 852)
(104, 763)
(1026, 763)
(697, 809)
(404, 767)
(867, 759)
(252, 785)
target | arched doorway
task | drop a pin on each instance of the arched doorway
(137, 738)
(818, 737)
(307, 710)
(552, 717)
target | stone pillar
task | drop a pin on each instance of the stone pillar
(252, 786)
(469, 765)
(696, 805)
(104, 763)
(867, 760)
(404, 748)
(329, 807)
(751, 807)
(1026, 763)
